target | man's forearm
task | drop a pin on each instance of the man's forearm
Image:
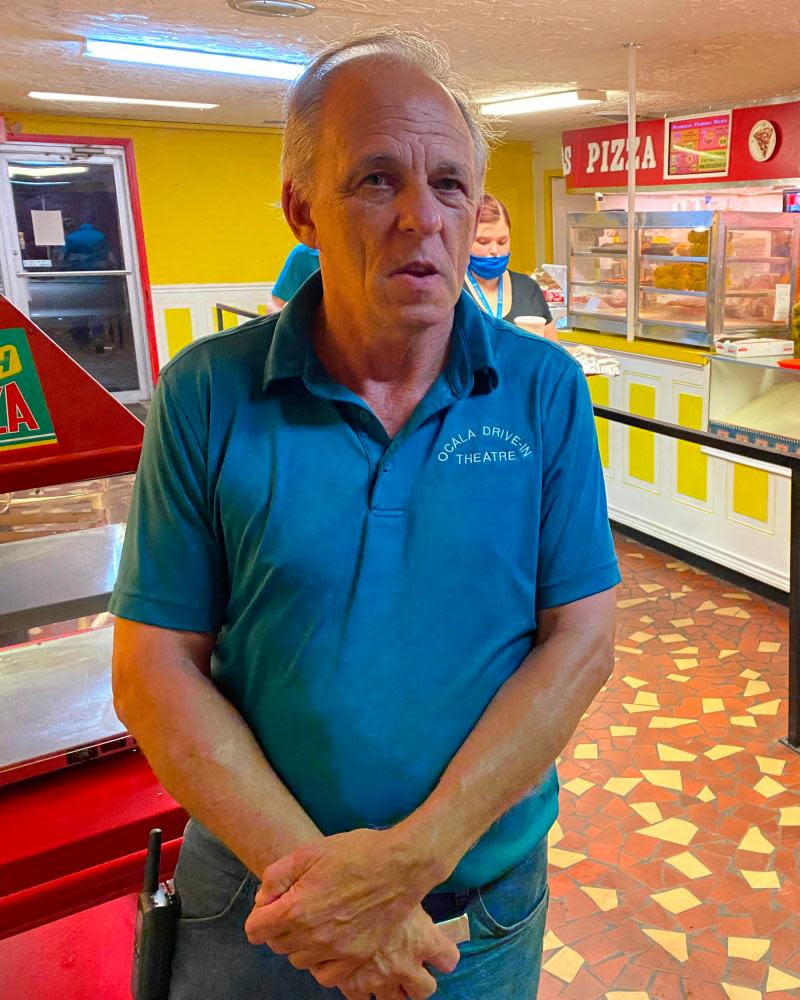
(207, 758)
(522, 731)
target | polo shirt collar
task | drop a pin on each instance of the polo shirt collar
(471, 366)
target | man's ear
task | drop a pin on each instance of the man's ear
(297, 211)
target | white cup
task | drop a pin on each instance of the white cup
(532, 324)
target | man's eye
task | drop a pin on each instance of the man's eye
(375, 180)
(448, 184)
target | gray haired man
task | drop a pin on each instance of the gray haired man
(367, 586)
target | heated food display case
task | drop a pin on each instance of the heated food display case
(756, 401)
(701, 277)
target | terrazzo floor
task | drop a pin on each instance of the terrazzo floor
(675, 864)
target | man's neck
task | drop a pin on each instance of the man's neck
(391, 370)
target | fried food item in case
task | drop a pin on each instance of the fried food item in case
(698, 240)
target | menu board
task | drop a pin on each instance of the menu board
(698, 147)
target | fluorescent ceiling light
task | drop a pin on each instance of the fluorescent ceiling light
(44, 171)
(43, 95)
(544, 102)
(212, 62)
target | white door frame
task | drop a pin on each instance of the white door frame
(15, 279)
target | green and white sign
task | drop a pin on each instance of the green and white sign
(24, 418)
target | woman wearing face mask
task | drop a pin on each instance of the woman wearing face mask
(500, 292)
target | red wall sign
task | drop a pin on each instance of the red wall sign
(596, 159)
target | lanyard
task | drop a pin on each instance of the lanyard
(482, 298)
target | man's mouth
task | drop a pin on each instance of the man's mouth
(417, 269)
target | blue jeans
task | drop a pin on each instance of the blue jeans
(214, 960)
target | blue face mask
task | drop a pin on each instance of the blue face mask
(488, 267)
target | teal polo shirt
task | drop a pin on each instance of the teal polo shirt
(370, 596)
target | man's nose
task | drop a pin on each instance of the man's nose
(419, 210)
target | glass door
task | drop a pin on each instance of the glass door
(70, 259)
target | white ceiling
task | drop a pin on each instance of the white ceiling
(696, 54)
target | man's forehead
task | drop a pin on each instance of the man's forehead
(369, 98)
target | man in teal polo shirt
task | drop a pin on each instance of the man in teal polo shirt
(367, 586)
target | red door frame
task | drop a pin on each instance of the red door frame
(136, 211)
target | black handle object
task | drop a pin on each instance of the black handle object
(157, 914)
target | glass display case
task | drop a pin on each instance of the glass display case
(754, 400)
(597, 279)
(701, 277)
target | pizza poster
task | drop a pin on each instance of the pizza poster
(698, 147)
(24, 417)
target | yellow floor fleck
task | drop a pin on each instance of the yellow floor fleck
(564, 859)
(740, 992)
(769, 787)
(761, 880)
(621, 786)
(676, 900)
(585, 751)
(721, 751)
(668, 753)
(649, 811)
(632, 709)
(753, 949)
(666, 722)
(551, 940)
(564, 965)
(671, 941)
(665, 778)
(770, 765)
(623, 730)
(675, 831)
(790, 816)
(755, 841)
(634, 682)
(578, 786)
(690, 866)
(766, 708)
(606, 899)
(777, 980)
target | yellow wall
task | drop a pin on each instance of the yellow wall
(510, 178)
(547, 158)
(211, 196)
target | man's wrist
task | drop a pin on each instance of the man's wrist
(428, 849)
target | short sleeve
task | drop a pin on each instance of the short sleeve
(172, 572)
(576, 548)
(298, 268)
(541, 301)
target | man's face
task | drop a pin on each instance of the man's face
(395, 198)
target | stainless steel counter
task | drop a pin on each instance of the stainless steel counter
(45, 580)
